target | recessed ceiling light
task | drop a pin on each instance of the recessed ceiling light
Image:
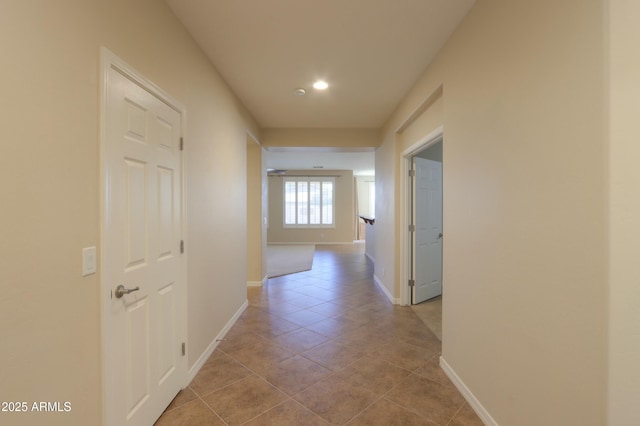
(320, 85)
(299, 91)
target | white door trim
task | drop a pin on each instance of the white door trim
(109, 61)
(405, 219)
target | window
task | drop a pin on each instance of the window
(308, 202)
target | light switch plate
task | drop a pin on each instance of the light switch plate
(89, 263)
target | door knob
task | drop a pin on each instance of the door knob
(440, 235)
(121, 291)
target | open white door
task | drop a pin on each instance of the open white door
(427, 241)
(144, 314)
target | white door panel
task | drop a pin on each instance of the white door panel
(146, 367)
(427, 249)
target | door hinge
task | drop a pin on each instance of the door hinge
(181, 143)
(412, 228)
(412, 172)
(181, 246)
(184, 348)
(412, 283)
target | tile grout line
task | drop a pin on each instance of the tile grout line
(211, 409)
(338, 270)
(455, 414)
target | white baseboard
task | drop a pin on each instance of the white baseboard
(466, 393)
(258, 283)
(385, 291)
(213, 345)
(370, 257)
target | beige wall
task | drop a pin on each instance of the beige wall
(344, 211)
(385, 250)
(256, 212)
(421, 125)
(324, 138)
(524, 255)
(624, 211)
(50, 318)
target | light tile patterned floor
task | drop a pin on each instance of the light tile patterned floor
(323, 347)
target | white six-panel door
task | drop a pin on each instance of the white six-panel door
(427, 248)
(145, 363)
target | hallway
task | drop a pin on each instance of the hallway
(321, 347)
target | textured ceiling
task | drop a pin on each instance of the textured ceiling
(370, 52)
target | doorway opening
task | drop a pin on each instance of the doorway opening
(422, 235)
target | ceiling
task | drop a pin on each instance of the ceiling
(369, 51)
